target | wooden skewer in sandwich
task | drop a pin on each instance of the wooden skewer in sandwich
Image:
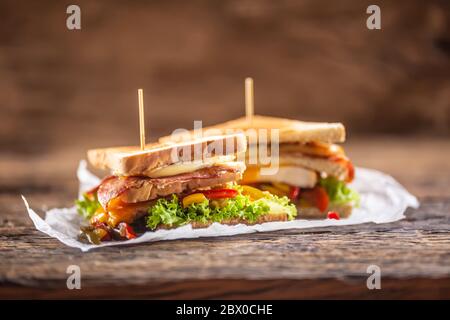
(166, 185)
(313, 170)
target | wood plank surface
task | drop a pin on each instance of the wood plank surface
(413, 254)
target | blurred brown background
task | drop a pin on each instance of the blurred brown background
(62, 91)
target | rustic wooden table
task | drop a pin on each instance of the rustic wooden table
(413, 254)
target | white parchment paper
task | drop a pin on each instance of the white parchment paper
(383, 200)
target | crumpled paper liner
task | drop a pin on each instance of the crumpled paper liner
(383, 200)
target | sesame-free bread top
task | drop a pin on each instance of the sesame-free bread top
(289, 130)
(131, 161)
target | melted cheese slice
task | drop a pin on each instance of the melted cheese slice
(292, 175)
(185, 167)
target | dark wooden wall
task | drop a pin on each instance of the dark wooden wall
(313, 60)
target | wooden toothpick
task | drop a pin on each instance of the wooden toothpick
(249, 99)
(141, 118)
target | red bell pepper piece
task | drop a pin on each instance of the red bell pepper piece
(333, 215)
(126, 231)
(351, 171)
(294, 192)
(220, 193)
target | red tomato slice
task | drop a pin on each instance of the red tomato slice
(220, 193)
(318, 197)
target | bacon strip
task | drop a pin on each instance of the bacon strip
(138, 189)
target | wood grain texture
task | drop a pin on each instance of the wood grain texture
(416, 247)
(411, 288)
(413, 254)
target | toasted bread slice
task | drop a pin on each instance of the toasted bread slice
(344, 211)
(289, 130)
(268, 217)
(131, 161)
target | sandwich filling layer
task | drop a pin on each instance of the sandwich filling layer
(138, 189)
(313, 175)
(121, 205)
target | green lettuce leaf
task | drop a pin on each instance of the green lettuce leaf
(339, 192)
(170, 212)
(87, 206)
(280, 205)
